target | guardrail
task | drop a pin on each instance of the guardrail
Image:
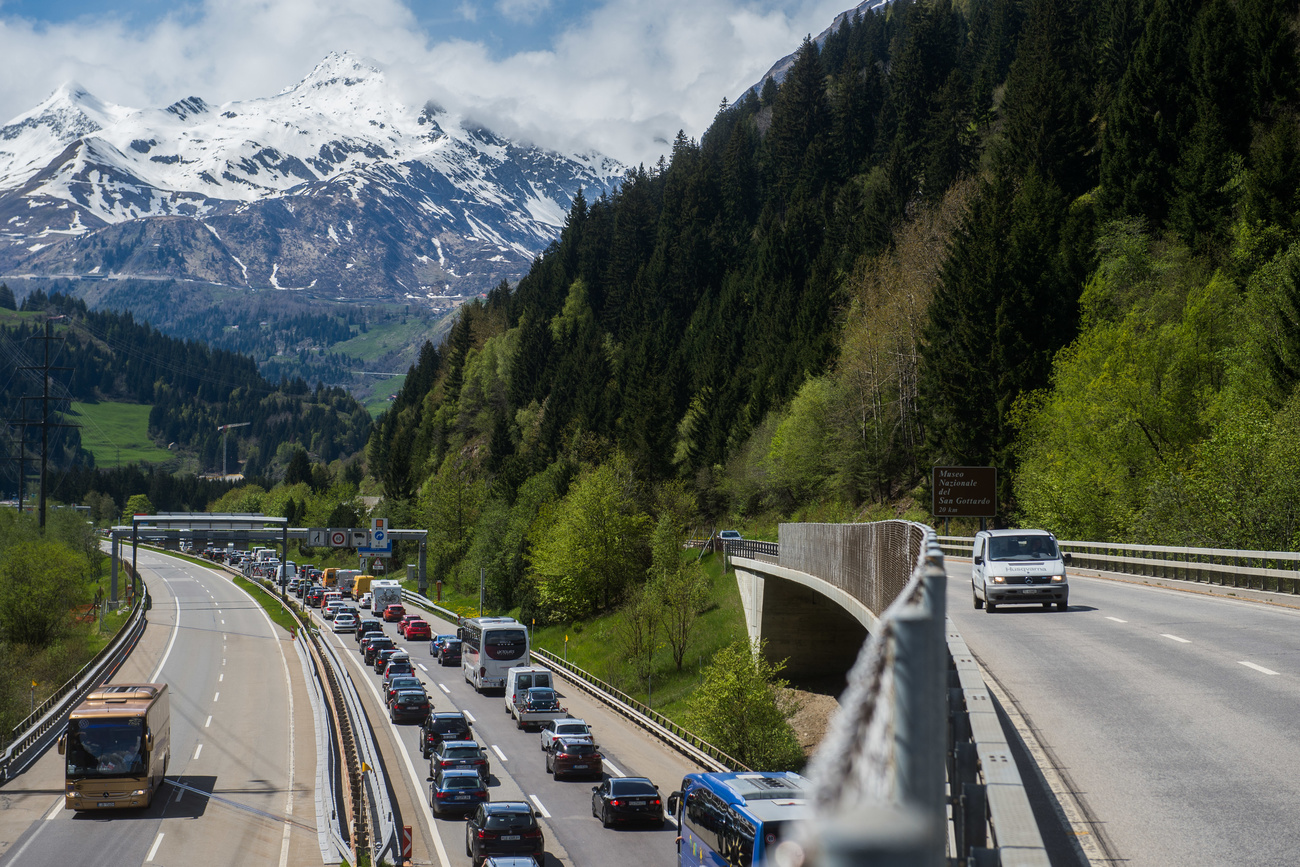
(33, 735)
(1272, 571)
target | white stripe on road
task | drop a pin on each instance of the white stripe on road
(443, 687)
(55, 810)
(540, 808)
(1116, 619)
(197, 750)
(208, 723)
(609, 766)
(153, 850)
(496, 749)
(215, 697)
(1261, 669)
(422, 668)
(1175, 638)
(469, 716)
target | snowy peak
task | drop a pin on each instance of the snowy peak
(335, 185)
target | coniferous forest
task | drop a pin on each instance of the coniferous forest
(1059, 237)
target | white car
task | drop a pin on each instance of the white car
(331, 609)
(365, 600)
(566, 728)
(345, 622)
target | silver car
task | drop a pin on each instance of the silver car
(566, 728)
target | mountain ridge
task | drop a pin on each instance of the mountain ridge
(333, 185)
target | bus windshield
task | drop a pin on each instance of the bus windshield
(105, 748)
(504, 643)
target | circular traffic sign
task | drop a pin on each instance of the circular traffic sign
(379, 538)
(338, 538)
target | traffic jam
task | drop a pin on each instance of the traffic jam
(417, 670)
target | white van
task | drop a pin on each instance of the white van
(524, 677)
(1018, 567)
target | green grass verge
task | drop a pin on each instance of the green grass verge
(279, 616)
(117, 434)
(593, 644)
(378, 401)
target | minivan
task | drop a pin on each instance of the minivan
(522, 678)
(1018, 567)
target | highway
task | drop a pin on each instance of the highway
(1171, 712)
(573, 835)
(234, 740)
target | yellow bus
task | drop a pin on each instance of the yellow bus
(117, 746)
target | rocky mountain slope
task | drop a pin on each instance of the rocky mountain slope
(334, 187)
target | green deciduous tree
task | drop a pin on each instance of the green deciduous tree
(40, 582)
(739, 709)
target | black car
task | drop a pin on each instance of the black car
(504, 828)
(382, 642)
(409, 705)
(368, 625)
(449, 653)
(627, 799)
(574, 757)
(448, 725)
(467, 755)
(456, 791)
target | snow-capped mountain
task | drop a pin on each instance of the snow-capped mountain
(782, 66)
(333, 185)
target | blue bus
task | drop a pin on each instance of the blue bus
(736, 819)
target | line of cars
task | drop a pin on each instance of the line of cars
(459, 767)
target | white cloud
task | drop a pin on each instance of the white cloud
(525, 11)
(622, 80)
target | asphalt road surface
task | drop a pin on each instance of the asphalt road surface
(227, 668)
(573, 835)
(1173, 712)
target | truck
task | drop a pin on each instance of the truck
(117, 746)
(384, 592)
(346, 580)
(361, 586)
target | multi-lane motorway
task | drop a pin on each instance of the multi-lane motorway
(242, 773)
(573, 835)
(241, 745)
(1173, 714)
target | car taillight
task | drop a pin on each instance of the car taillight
(485, 834)
(440, 794)
(529, 835)
(616, 803)
(655, 802)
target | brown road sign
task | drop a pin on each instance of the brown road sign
(965, 492)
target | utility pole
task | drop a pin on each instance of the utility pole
(225, 430)
(45, 424)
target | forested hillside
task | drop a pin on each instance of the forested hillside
(104, 356)
(1055, 236)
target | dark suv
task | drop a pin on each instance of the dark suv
(503, 828)
(574, 757)
(437, 727)
(463, 755)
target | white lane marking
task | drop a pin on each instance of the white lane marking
(223, 660)
(496, 749)
(443, 687)
(540, 808)
(422, 668)
(176, 628)
(469, 716)
(219, 611)
(153, 850)
(197, 750)
(671, 819)
(1261, 669)
(220, 677)
(1175, 638)
(208, 723)
(609, 766)
(223, 622)
(55, 810)
(1116, 619)
(215, 697)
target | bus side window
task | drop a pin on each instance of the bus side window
(703, 818)
(736, 841)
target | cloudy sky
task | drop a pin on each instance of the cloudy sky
(620, 76)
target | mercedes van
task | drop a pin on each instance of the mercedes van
(1018, 567)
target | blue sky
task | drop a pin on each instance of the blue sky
(619, 76)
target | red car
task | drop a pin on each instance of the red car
(394, 612)
(406, 618)
(417, 629)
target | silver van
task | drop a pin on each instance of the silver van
(1018, 567)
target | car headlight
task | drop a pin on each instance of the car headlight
(998, 579)
(1057, 579)
(138, 793)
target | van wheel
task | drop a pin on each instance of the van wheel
(1047, 606)
(1062, 606)
(979, 603)
(990, 606)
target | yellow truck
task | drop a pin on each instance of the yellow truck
(330, 576)
(361, 586)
